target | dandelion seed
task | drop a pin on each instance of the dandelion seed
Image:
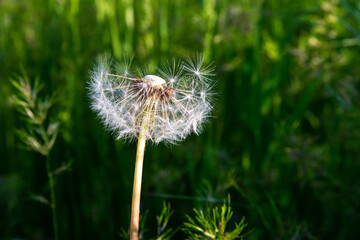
(178, 98)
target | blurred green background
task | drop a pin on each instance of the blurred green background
(284, 140)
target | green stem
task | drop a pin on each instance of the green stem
(52, 195)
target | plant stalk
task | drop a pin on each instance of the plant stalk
(135, 208)
(52, 197)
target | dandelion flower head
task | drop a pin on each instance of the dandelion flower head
(176, 99)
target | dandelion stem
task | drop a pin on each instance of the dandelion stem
(52, 197)
(135, 208)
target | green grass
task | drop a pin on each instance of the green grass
(284, 140)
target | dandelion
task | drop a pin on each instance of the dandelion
(165, 107)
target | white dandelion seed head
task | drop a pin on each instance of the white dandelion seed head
(177, 99)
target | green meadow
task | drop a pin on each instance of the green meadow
(283, 141)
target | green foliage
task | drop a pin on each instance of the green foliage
(213, 224)
(38, 135)
(163, 231)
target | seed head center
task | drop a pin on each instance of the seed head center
(154, 81)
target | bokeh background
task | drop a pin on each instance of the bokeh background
(283, 141)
